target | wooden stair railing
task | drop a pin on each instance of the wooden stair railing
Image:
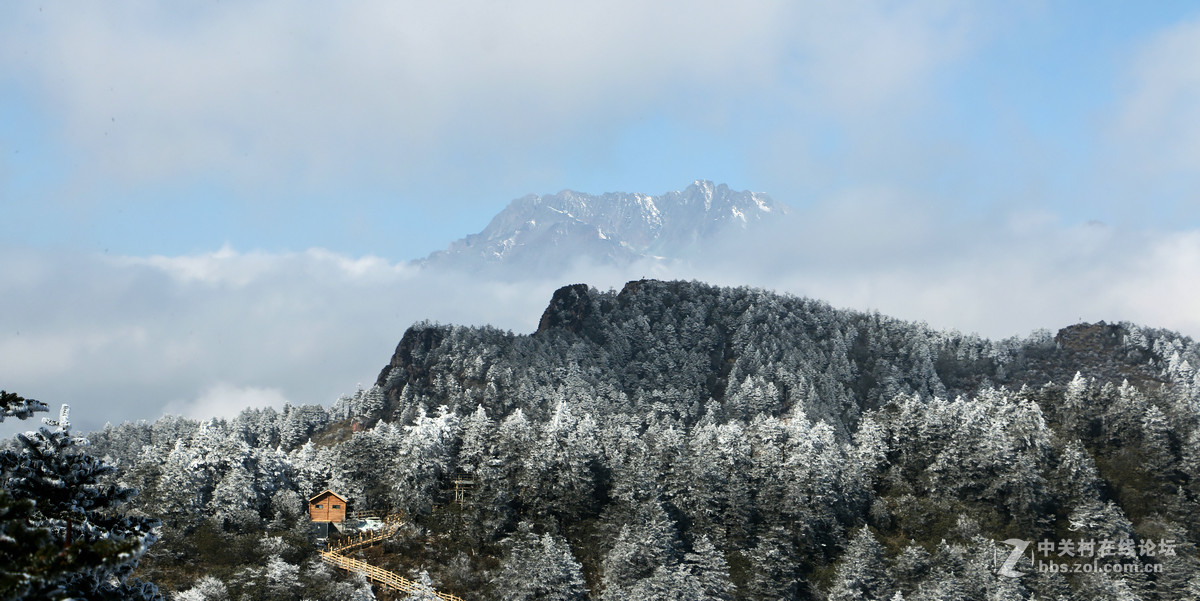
(391, 580)
(364, 539)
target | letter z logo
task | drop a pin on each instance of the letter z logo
(1019, 547)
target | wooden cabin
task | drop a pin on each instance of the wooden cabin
(327, 506)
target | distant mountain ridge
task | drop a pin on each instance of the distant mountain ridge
(546, 234)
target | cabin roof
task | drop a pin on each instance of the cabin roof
(322, 493)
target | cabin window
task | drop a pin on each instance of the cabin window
(319, 506)
(337, 506)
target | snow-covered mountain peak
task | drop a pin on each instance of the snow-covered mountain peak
(544, 234)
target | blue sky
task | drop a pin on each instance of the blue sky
(229, 151)
(1005, 96)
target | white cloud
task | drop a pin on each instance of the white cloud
(120, 338)
(1160, 286)
(208, 334)
(224, 400)
(869, 59)
(229, 268)
(270, 89)
(1158, 124)
(268, 93)
(876, 249)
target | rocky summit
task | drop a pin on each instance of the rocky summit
(544, 235)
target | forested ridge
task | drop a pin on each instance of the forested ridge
(675, 440)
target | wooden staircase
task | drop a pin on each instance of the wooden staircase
(336, 557)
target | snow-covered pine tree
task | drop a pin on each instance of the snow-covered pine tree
(424, 454)
(861, 574)
(541, 568)
(207, 588)
(667, 583)
(648, 543)
(708, 567)
(67, 539)
(475, 448)
(557, 475)
(14, 405)
(773, 568)
(27, 553)
(719, 497)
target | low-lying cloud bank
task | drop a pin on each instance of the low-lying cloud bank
(998, 277)
(125, 338)
(122, 338)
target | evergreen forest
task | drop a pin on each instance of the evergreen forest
(668, 441)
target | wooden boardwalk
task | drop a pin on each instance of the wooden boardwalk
(336, 557)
